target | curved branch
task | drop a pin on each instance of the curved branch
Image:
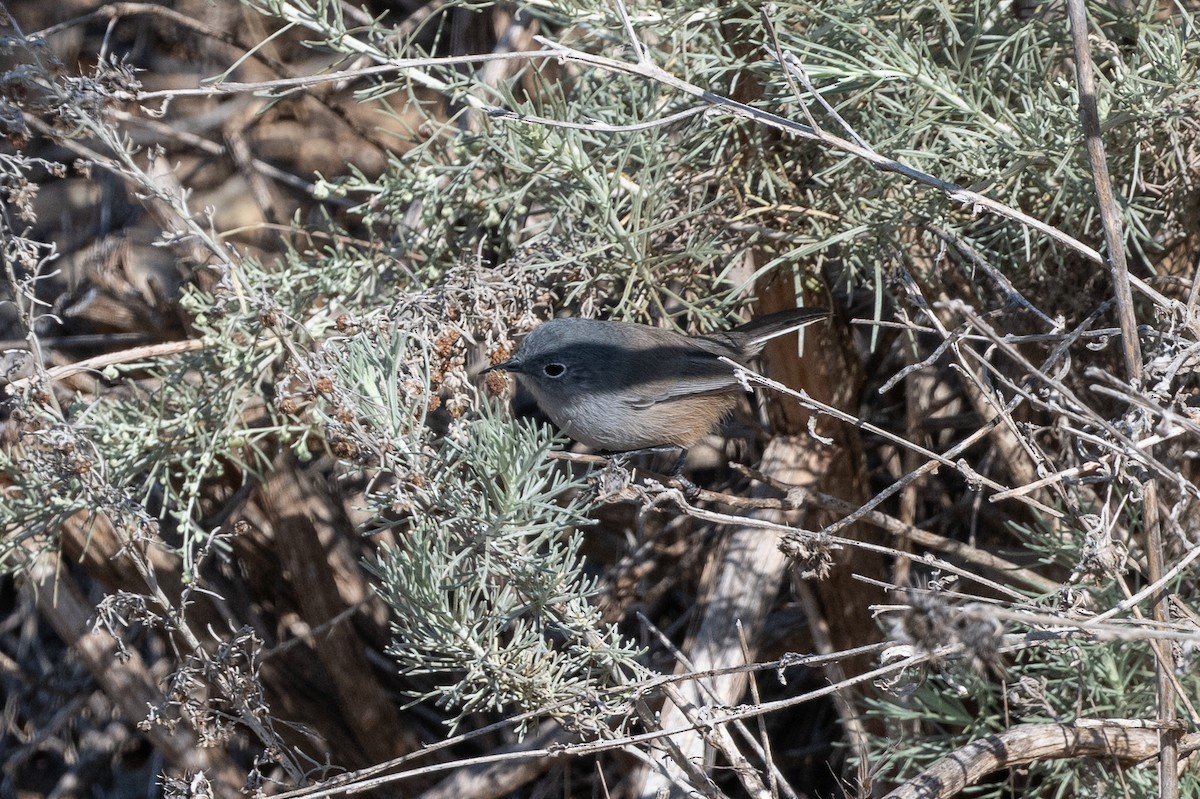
(1124, 742)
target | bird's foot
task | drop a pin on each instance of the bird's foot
(690, 489)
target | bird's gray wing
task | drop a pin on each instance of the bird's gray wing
(683, 374)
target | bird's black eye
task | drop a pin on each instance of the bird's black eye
(554, 369)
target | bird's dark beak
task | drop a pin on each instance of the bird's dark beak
(511, 365)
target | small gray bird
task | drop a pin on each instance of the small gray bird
(620, 386)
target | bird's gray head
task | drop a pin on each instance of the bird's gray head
(564, 356)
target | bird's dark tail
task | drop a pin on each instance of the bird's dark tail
(752, 336)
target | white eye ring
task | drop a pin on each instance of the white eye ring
(554, 370)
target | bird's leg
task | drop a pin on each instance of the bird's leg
(690, 489)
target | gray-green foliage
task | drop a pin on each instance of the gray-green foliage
(487, 586)
(652, 221)
(969, 92)
(142, 455)
(482, 567)
(648, 222)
